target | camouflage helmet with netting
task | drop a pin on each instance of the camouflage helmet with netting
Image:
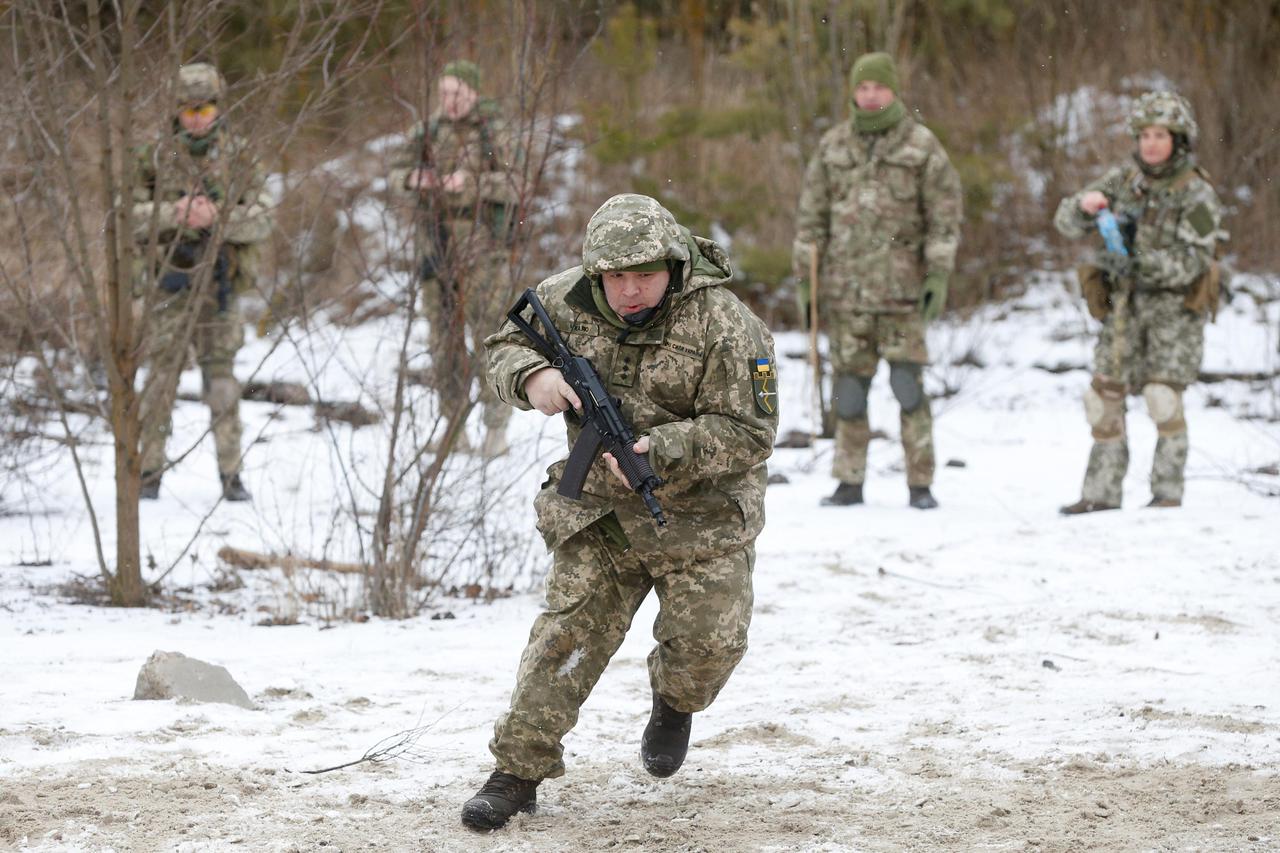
(1165, 109)
(199, 82)
(629, 230)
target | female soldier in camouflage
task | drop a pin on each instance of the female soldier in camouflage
(692, 368)
(1152, 301)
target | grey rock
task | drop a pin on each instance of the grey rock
(173, 675)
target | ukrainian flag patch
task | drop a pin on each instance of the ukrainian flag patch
(764, 385)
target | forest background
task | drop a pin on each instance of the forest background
(712, 107)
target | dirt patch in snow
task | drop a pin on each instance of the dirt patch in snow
(801, 799)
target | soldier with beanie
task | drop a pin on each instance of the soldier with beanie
(881, 207)
(461, 168)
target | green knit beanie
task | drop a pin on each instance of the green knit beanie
(875, 66)
(465, 71)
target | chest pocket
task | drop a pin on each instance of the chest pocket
(587, 339)
(842, 180)
(901, 172)
(626, 366)
(672, 374)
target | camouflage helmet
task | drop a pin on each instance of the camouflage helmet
(199, 82)
(1165, 109)
(629, 230)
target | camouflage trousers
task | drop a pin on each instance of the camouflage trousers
(471, 291)
(216, 337)
(858, 342)
(593, 593)
(1152, 346)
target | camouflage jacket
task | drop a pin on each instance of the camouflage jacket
(686, 381)
(883, 210)
(480, 145)
(1178, 223)
(167, 171)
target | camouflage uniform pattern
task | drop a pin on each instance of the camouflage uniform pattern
(166, 172)
(1152, 344)
(883, 210)
(685, 380)
(464, 237)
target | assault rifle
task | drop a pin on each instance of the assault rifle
(603, 426)
(185, 256)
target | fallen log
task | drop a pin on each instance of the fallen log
(241, 558)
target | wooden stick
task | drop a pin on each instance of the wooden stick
(814, 361)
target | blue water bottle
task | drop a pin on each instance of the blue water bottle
(1110, 231)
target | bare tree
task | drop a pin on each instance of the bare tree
(85, 93)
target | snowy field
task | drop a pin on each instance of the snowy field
(988, 676)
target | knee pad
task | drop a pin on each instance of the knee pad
(907, 382)
(849, 396)
(1164, 404)
(1104, 410)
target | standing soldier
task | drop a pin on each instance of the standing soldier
(461, 169)
(1152, 301)
(693, 370)
(881, 208)
(199, 211)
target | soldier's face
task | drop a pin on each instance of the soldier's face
(198, 119)
(628, 292)
(871, 96)
(456, 97)
(1155, 144)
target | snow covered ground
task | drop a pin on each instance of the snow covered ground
(986, 676)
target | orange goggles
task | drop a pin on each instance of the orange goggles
(201, 111)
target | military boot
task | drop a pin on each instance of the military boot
(1165, 503)
(499, 800)
(1082, 506)
(665, 740)
(920, 497)
(150, 490)
(846, 494)
(233, 489)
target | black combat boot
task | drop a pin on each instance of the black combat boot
(499, 800)
(846, 494)
(150, 490)
(665, 740)
(233, 489)
(1082, 506)
(921, 498)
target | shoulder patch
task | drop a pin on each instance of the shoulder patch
(1201, 219)
(764, 385)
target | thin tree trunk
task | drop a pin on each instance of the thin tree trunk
(126, 588)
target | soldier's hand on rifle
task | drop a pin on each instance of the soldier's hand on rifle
(641, 447)
(195, 211)
(456, 182)
(1093, 201)
(422, 180)
(547, 392)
